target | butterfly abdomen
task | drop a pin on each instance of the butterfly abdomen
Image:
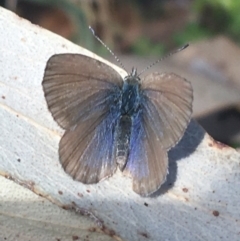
(123, 134)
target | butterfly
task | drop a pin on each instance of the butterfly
(113, 122)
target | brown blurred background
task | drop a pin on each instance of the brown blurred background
(133, 28)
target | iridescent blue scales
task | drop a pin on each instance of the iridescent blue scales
(112, 122)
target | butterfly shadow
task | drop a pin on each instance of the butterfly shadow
(185, 147)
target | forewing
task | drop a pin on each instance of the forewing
(167, 106)
(75, 86)
(87, 152)
(147, 161)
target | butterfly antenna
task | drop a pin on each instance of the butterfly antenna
(164, 57)
(110, 51)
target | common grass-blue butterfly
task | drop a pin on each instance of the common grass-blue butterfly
(112, 122)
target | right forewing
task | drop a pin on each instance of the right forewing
(76, 86)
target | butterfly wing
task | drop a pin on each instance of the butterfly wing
(167, 106)
(87, 152)
(83, 96)
(76, 86)
(147, 162)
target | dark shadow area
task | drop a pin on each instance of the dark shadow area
(186, 146)
(223, 125)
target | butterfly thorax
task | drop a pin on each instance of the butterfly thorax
(130, 94)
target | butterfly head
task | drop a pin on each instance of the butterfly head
(132, 78)
(134, 72)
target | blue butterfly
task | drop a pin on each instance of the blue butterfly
(112, 122)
